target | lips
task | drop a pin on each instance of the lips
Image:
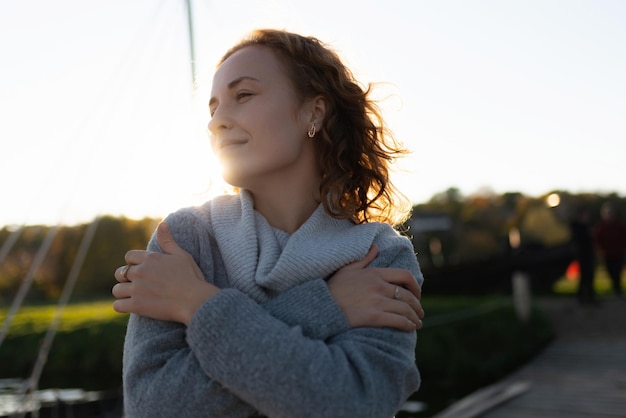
(228, 143)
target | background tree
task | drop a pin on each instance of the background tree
(114, 237)
(448, 231)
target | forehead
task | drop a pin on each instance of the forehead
(257, 62)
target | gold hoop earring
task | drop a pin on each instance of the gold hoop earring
(311, 131)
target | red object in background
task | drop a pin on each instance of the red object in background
(573, 270)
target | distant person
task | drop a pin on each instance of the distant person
(582, 239)
(294, 297)
(610, 240)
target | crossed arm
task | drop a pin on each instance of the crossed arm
(216, 352)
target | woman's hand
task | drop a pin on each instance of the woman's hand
(377, 297)
(168, 286)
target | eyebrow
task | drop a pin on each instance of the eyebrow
(234, 84)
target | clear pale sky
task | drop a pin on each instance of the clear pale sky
(97, 114)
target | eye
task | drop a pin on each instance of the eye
(243, 94)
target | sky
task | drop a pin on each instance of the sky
(98, 114)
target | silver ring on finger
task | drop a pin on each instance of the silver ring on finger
(125, 272)
(396, 294)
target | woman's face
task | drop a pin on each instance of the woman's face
(258, 125)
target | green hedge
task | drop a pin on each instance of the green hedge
(86, 352)
(460, 357)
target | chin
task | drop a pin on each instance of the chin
(234, 178)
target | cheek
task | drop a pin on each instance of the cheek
(276, 114)
(274, 123)
(213, 142)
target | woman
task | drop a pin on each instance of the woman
(294, 297)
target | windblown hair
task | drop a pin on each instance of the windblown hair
(354, 147)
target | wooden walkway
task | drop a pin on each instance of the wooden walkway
(582, 374)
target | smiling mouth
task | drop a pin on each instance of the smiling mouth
(230, 144)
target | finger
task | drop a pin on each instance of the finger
(408, 298)
(402, 323)
(408, 282)
(371, 255)
(413, 286)
(122, 305)
(134, 257)
(407, 310)
(365, 261)
(125, 271)
(166, 240)
(400, 277)
(419, 309)
(121, 290)
(395, 320)
(121, 273)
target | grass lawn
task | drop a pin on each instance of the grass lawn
(36, 319)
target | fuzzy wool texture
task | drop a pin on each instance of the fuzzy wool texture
(272, 342)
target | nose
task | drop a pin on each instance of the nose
(219, 121)
(212, 125)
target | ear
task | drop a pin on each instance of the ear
(317, 107)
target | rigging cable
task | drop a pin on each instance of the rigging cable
(28, 280)
(42, 357)
(10, 241)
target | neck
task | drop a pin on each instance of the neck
(286, 208)
(288, 196)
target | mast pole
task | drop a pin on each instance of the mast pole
(194, 80)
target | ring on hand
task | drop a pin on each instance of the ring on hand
(125, 272)
(396, 295)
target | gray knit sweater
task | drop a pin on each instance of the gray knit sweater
(272, 342)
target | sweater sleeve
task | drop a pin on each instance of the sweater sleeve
(311, 307)
(364, 372)
(161, 374)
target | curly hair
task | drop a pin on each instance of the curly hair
(355, 148)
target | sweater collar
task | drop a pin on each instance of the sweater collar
(252, 254)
